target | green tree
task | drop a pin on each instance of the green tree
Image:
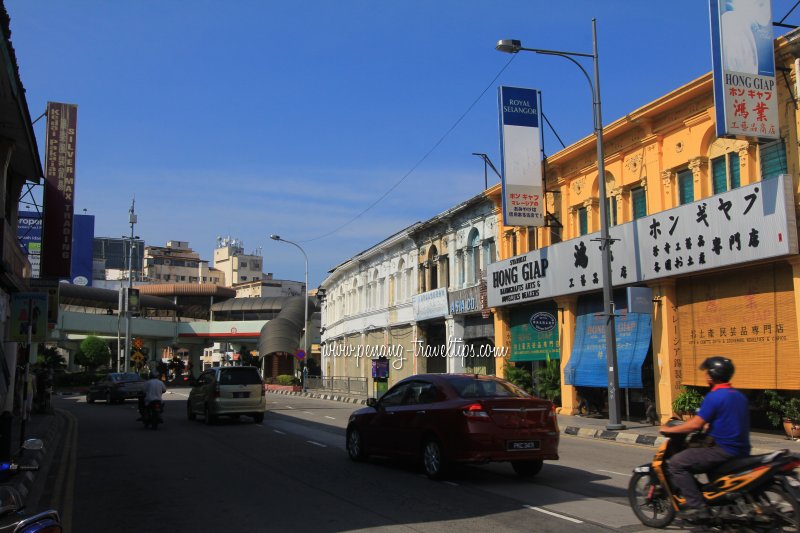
(93, 352)
(520, 377)
(548, 381)
(50, 358)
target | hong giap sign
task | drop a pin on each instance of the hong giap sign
(743, 59)
(520, 144)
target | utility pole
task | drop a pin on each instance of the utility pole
(132, 222)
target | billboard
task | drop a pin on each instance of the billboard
(29, 236)
(520, 146)
(743, 59)
(82, 249)
(59, 189)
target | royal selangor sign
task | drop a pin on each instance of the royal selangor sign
(743, 58)
(748, 224)
(520, 145)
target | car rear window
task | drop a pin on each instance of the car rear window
(240, 376)
(130, 376)
(468, 387)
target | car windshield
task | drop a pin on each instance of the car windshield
(128, 376)
(240, 376)
(471, 387)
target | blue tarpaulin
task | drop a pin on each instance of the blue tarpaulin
(587, 363)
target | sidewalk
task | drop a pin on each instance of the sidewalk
(635, 432)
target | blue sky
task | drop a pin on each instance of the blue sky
(247, 118)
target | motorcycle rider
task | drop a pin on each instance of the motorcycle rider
(726, 413)
(151, 392)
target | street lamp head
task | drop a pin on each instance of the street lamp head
(509, 46)
(275, 237)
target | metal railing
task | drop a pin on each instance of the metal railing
(338, 384)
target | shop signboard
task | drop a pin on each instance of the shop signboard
(534, 333)
(29, 235)
(465, 301)
(28, 310)
(431, 304)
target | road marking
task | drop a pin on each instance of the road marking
(279, 432)
(451, 483)
(551, 513)
(316, 443)
(615, 473)
(326, 416)
(289, 407)
(308, 412)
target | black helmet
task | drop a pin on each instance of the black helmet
(719, 368)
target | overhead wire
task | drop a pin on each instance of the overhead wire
(418, 163)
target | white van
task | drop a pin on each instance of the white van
(227, 391)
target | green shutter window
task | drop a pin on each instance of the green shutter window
(639, 202)
(583, 221)
(719, 174)
(773, 160)
(611, 214)
(686, 186)
(733, 165)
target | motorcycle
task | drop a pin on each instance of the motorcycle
(151, 417)
(12, 516)
(758, 493)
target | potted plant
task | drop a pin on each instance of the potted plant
(687, 402)
(782, 409)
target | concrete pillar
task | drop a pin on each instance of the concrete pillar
(502, 340)
(667, 360)
(568, 311)
(455, 332)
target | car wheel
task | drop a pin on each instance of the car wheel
(258, 418)
(209, 418)
(109, 401)
(190, 414)
(355, 445)
(527, 468)
(433, 459)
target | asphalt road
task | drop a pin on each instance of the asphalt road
(291, 473)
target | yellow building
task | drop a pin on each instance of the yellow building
(731, 288)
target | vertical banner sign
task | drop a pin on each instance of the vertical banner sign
(82, 248)
(59, 198)
(29, 235)
(520, 145)
(743, 58)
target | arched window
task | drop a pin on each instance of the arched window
(433, 265)
(473, 256)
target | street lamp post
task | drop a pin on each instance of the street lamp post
(305, 308)
(132, 221)
(512, 47)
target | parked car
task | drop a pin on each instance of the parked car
(456, 418)
(227, 391)
(115, 387)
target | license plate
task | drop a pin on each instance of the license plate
(523, 445)
(241, 394)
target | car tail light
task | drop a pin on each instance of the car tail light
(475, 411)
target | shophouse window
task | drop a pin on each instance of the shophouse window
(244, 278)
(555, 234)
(639, 200)
(491, 253)
(725, 172)
(686, 186)
(243, 264)
(583, 221)
(460, 267)
(475, 256)
(773, 159)
(611, 210)
(532, 240)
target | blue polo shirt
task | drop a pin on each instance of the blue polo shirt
(728, 413)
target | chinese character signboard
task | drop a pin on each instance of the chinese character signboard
(520, 145)
(752, 223)
(745, 94)
(534, 333)
(59, 192)
(431, 304)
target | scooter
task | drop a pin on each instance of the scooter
(151, 417)
(12, 517)
(757, 493)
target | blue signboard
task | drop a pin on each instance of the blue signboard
(82, 249)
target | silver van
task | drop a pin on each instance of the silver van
(227, 391)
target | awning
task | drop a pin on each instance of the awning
(587, 365)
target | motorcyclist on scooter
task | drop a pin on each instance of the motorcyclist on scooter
(151, 392)
(726, 413)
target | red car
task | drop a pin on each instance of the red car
(456, 418)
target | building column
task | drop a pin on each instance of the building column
(568, 307)
(795, 262)
(667, 358)
(455, 333)
(502, 340)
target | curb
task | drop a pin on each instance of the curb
(614, 436)
(322, 396)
